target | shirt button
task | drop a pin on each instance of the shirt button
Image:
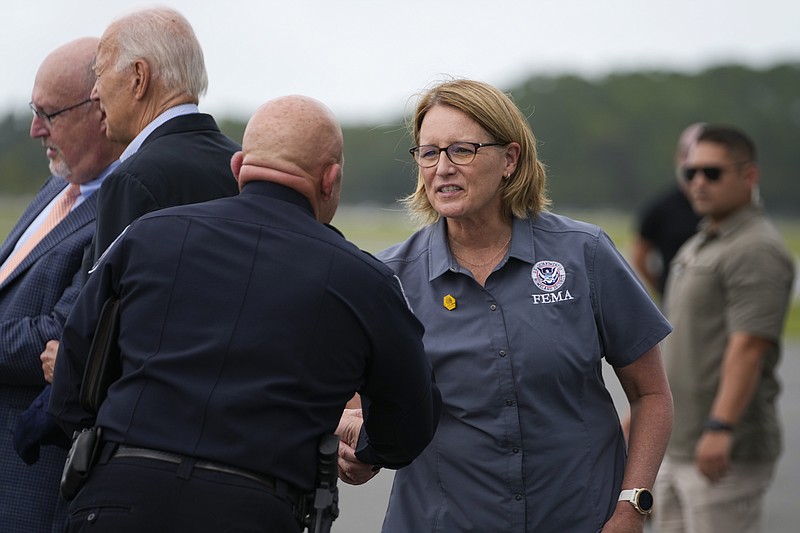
(515, 450)
(493, 307)
(509, 403)
(502, 353)
(518, 497)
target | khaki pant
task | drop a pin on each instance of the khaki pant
(687, 502)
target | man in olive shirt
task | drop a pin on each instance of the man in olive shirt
(727, 298)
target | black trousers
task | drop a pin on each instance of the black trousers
(132, 494)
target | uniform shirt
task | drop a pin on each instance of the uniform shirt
(529, 438)
(737, 279)
(245, 327)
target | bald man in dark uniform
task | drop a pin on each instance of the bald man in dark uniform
(246, 325)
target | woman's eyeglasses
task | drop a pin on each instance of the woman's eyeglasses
(460, 153)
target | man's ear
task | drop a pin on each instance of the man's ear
(141, 78)
(329, 189)
(752, 174)
(236, 164)
(331, 178)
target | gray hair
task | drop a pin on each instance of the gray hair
(165, 39)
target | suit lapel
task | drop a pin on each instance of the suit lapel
(49, 190)
(79, 217)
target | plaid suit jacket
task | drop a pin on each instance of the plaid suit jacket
(34, 303)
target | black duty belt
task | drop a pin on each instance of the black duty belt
(293, 494)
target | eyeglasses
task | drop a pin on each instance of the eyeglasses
(48, 117)
(460, 153)
(711, 173)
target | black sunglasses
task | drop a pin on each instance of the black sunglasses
(711, 173)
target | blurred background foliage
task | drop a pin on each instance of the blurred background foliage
(607, 142)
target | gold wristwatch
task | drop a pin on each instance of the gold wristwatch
(641, 499)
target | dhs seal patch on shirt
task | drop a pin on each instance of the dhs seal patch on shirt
(548, 275)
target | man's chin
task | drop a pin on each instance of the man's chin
(59, 169)
(112, 136)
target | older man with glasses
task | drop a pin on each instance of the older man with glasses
(39, 274)
(48, 117)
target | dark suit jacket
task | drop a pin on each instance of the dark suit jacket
(34, 303)
(184, 161)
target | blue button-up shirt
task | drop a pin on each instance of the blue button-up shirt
(529, 439)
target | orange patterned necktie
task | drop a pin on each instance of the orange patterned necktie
(60, 210)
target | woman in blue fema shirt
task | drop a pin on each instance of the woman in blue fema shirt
(520, 306)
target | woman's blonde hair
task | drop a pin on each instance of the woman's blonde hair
(523, 193)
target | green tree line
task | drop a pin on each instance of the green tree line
(606, 142)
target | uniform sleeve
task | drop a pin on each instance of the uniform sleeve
(758, 282)
(76, 339)
(401, 401)
(628, 321)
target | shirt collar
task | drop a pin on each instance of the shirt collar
(731, 223)
(522, 245)
(279, 192)
(88, 188)
(442, 260)
(136, 143)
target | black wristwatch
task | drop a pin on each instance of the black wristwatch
(641, 499)
(715, 424)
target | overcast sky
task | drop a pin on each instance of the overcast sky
(366, 59)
